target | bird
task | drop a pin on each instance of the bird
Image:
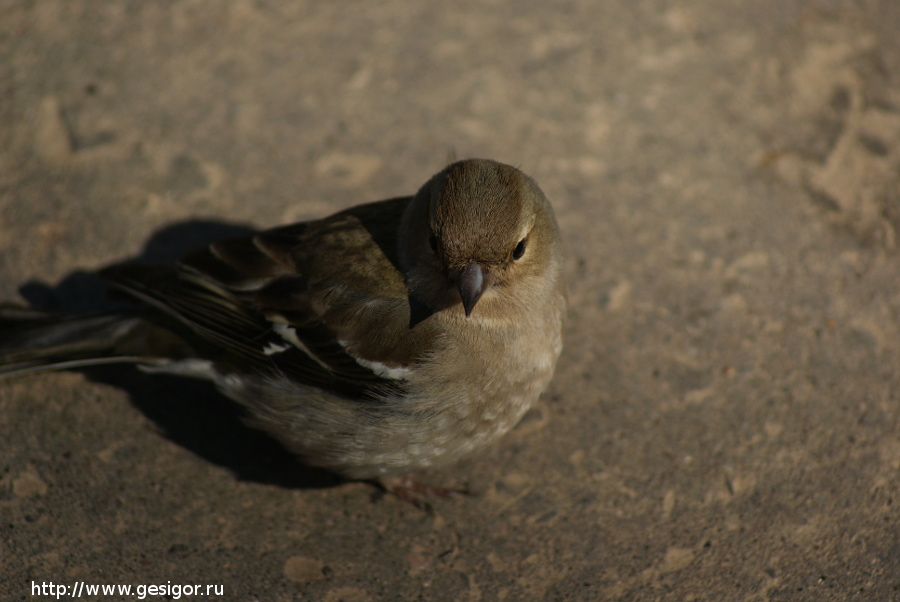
(390, 337)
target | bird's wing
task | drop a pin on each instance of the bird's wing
(322, 302)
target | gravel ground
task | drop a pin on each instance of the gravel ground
(724, 423)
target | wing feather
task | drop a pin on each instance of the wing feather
(333, 284)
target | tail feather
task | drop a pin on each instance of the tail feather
(32, 341)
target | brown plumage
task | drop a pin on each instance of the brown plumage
(386, 338)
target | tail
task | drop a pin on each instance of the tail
(32, 341)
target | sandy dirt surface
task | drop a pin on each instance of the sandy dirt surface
(725, 419)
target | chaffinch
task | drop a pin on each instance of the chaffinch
(386, 338)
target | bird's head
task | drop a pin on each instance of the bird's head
(478, 230)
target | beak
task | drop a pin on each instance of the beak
(472, 283)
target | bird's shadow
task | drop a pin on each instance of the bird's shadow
(189, 412)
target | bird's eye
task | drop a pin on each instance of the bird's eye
(520, 249)
(432, 242)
